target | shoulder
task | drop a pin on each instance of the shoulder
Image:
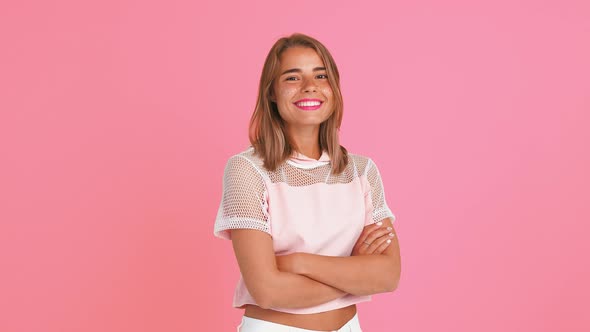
(245, 161)
(362, 163)
(245, 155)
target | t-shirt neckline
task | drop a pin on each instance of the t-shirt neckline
(300, 160)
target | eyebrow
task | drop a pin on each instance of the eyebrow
(297, 70)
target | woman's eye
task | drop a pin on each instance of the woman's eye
(322, 76)
(291, 78)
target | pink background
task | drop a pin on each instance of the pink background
(117, 117)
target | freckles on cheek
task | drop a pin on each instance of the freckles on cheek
(286, 92)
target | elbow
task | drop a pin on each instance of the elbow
(263, 297)
(264, 292)
(392, 280)
(385, 282)
(264, 302)
(391, 285)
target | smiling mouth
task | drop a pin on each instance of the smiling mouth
(308, 105)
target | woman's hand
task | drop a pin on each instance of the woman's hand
(373, 240)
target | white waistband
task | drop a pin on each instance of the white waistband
(256, 325)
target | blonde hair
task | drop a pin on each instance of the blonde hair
(267, 129)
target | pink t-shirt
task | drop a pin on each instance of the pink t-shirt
(304, 208)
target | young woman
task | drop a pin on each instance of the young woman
(310, 227)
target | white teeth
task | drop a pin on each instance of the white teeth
(309, 103)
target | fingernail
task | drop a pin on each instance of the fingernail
(389, 228)
(391, 234)
(379, 223)
(388, 241)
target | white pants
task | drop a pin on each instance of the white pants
(256, 325)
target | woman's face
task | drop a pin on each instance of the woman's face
(301, 91)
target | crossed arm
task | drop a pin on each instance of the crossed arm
(302, 280)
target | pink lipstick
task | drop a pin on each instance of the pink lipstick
(308, 104)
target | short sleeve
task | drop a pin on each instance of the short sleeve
(375, 202)
(244, 201)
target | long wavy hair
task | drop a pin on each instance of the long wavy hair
(267, 132)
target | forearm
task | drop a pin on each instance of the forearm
(357, 275)
(289, 290)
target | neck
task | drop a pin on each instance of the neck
(306, 141)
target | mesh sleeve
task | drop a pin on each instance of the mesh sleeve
(375, 198)
(244, 201)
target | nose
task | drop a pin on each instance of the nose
(309, 86)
